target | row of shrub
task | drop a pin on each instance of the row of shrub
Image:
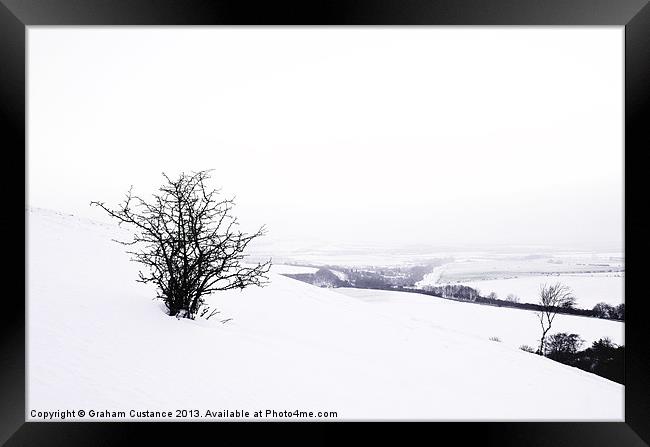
(603, 357)
(604, 310)
(465, 293)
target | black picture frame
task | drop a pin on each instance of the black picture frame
(16, 15)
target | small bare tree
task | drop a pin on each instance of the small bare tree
(552, 298)
(187, 239)
(512, 298)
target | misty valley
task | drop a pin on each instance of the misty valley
(411, 278)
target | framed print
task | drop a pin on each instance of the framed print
(406, 212)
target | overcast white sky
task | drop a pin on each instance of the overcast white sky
(430, 135)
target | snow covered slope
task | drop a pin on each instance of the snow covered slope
(514, 327)
(96, 341)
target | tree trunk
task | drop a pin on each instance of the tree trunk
(543, 341)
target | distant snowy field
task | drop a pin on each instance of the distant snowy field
(593, 277)
(96, 340)
(501, 266)
(588, 288)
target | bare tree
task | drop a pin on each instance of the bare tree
(512, 298)
(188, 240)
(552, 298)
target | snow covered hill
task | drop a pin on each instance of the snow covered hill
(514, 327)
(97, 341)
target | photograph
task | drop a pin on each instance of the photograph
(330, 223)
